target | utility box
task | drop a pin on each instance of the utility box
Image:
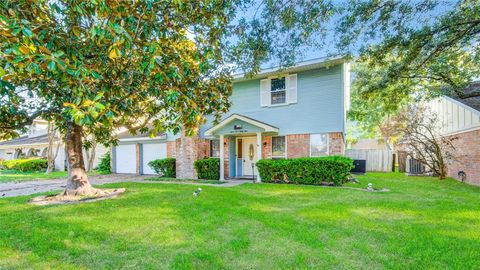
(360, 166)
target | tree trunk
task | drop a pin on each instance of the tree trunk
(77, 183)
(51, 154)
(51, 138)
(90, 153)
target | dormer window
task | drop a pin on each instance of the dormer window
(278, 91)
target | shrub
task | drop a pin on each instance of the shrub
(26, 164)
(309, 171)
(104, 164)
(208, 168)
(165, 167)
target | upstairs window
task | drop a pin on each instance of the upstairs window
(278, 147)
(215, 148)
(278, 91)
(318, 145)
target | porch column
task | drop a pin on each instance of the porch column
(222, 159)
(259, 154)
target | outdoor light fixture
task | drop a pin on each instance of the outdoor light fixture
(264, 144)
(462, 175)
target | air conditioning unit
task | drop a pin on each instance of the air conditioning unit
(415, 167)
(360, 166)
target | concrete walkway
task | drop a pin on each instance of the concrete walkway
(13, 189)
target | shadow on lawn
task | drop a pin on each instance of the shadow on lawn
(164, 226)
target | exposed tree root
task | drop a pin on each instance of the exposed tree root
(73, 197)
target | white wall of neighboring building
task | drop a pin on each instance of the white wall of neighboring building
(453, 116)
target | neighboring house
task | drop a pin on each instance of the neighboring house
(369, 144)
(296, 112)
(461, 118)
(35, 144)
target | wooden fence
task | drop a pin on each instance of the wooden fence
(377, 160)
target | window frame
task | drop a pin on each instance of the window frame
(327, 153)
(284, 90)
(211, 148)
(286, 147)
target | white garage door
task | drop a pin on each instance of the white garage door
(152, 151)
(125, 159)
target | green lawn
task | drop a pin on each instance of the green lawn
(10, 176)
(421, 223)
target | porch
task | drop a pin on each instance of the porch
(244, 136)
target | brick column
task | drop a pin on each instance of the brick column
(186, 154)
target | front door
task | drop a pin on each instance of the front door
(249, 154)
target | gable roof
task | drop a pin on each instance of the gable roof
(235, 116)
(473, 102)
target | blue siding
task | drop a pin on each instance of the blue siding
(320, 106)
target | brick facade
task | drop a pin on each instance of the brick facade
(298, 145)
(336, 143)
(467, 149)
(266, 147)
(186, 153)
(171, 149)
(189, 149)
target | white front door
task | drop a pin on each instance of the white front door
(249, 150)
(152, 151)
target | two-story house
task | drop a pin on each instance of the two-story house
(460, 119)
(295, 112)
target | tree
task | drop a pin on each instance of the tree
(52, 151)
(420, 134)
(93, 66)
(90, 147)
(406, 50)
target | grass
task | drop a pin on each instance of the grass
(200, 181)
(421, 223)
(12, 175)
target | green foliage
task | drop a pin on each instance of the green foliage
(26, 165)
(104, 164)
(309, 171)
(208, 168)
(106, 64)
(165, 167)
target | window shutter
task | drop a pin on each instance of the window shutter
(265, 92)
(291, 82)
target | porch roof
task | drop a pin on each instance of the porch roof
(236, 125)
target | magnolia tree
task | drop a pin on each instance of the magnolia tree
(93, 66)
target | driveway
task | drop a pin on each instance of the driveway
(12, 189)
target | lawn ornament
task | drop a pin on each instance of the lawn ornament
(196, 193)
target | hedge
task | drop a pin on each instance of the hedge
(26, 165)
(308, 171)
(165, 167)
(208, 168)
(104, 166)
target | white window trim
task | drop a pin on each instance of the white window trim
(286, 103)
(281, 90)
(210, 147)
(286, 147)
(328, 144)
